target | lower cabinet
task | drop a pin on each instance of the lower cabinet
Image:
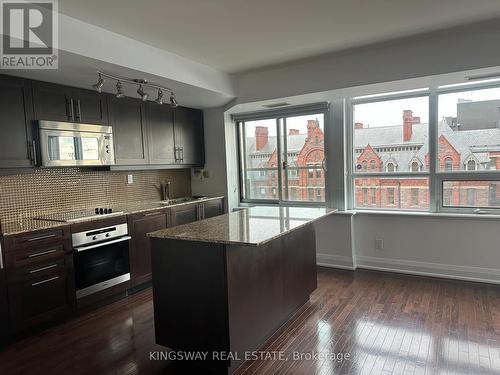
(40, 277)
(4, 304)
(212, 208)
(140, 249)
(195, 211)
(183, 214)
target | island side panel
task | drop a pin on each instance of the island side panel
(190, 298)
(267, 284)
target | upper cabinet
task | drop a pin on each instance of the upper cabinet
(16, 113)
(160, 134)
(189, 142)
(62, 103)
(127, 117)
(145, 133)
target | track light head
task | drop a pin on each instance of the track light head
(100, 83)
(119, 90)
(144, 96)
(159, 99)
(173, 101)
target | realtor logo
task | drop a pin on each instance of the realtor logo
(29, 34)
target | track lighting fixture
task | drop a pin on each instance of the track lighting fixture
(142, 83)
(100, 83)
(119, 90)
(173, 101)
(159, 99)
(144, 95)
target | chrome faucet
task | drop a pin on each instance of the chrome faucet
(165, 188)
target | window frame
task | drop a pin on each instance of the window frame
(436, 177)
(440, 177)
(352, 175)
(280, 118)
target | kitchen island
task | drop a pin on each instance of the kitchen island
(223, 286)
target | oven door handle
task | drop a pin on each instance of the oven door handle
(101, 244)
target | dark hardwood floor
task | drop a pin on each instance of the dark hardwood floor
(387, 323)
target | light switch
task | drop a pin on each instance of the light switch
(130, 179)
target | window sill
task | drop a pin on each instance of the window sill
(420, 214)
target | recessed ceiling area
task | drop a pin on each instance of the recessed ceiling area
(237, 35)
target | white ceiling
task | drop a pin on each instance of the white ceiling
(237, 35)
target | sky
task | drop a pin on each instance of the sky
(390, 113)
(295, 122)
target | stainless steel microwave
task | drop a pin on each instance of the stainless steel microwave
(67, 144)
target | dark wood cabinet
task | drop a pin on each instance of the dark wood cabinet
(4, 302)
(63, 103)
(40, 277)
(16, 113)
(212, 208)
(140, 248)
(183, 214)
(189, 138)
(90, 107)
(160, 134)
(189, 213)
(127, 117)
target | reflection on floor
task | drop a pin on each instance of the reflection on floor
(359, 322)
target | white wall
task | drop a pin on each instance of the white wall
(463, 248)
(334, 241)
(457, 49)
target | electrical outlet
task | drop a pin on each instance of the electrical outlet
(379, 244)
(130, 179)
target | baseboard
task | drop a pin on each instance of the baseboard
(485, 275)
(334, 261)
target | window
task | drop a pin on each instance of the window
(365, 196)
(414, 197)
(448, 164)
(390, 196)
(468, 138)
(471, 165)
(391, 132)
(390, 193)
(266, 145)
(373, 196)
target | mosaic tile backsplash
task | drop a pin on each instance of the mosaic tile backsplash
(49, 191)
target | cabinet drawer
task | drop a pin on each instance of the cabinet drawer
(37, 238)
(38, 270)
(39, 296)
(35, 256)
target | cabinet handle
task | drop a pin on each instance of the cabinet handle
(71, 109)
(35, 158)
(78, 110)
(41, 237)
(42, 269)
(1, 257)
(45, 281)
(154, 214)
(42, 253)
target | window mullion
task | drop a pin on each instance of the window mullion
(434, 189)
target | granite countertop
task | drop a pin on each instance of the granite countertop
(32, 225)
(252, 226)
